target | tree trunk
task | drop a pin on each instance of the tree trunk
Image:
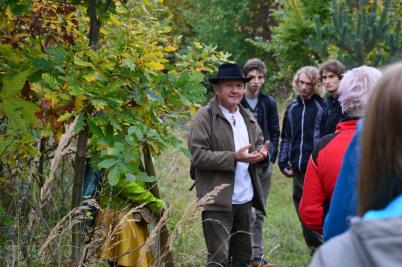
(79, 169)
(79, 164)
(166, 253)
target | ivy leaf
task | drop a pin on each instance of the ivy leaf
(94, 128)
(90, 77)
(113, 176)
(153, 96)
(12, 84)
(66, 116)
(49, 80)
(137, 131)
(80, 62)
(21, 113)
(107, 163)
(130, 64)
(113, 151)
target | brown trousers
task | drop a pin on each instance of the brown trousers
(227, 236)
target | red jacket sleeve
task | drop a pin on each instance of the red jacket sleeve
(311, 208)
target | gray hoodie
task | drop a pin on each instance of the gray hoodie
(367, 243)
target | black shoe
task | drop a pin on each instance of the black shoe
(260, 262)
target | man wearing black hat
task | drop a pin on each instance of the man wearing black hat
(226, 142)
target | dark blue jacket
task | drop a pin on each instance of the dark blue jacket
(333, 114)
(268, 121)
(303, 126)
(344, 199)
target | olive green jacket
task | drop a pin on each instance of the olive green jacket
(212, 147)
(127, 194)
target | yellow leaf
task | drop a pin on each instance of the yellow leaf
(192, 110)
(115, 20)
(57, 135)
(108, 65)
(36, 87)
(47, 132)
(103, 31)
(100, 105)
(154, 65)
(170, 48)
(90, 77)
(197, 45)
(79, 102)
(54, 99)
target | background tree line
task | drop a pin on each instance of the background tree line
(292, 33)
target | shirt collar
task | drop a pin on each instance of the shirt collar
(227, 112)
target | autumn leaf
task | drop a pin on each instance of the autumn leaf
(193, 110)
(197, 45)
(79, 102)
(90, 77)
(170, 49)
(154, 65)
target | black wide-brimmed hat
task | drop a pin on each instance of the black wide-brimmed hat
(229, 71)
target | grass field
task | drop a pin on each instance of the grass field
(284, 244)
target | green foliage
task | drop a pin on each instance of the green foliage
(229, 25)
(290, 37)
(130, 92)
(363, 32)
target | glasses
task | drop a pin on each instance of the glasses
(301, 82)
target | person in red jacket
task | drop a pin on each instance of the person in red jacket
(326, 159)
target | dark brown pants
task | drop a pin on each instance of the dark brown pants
(227, 236)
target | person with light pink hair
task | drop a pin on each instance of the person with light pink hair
(325, 161)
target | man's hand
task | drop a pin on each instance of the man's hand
(264, 150)
(288, 172)
(244, 156)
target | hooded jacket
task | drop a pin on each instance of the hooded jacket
(374, 241)
(211, 144)
(303, 126)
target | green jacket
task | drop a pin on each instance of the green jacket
(213, 155)
(127, 194)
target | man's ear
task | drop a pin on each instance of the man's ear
(216, 87)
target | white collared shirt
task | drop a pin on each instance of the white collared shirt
(243, 187)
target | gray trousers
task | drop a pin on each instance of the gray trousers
(227, 236)
(257, 217)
